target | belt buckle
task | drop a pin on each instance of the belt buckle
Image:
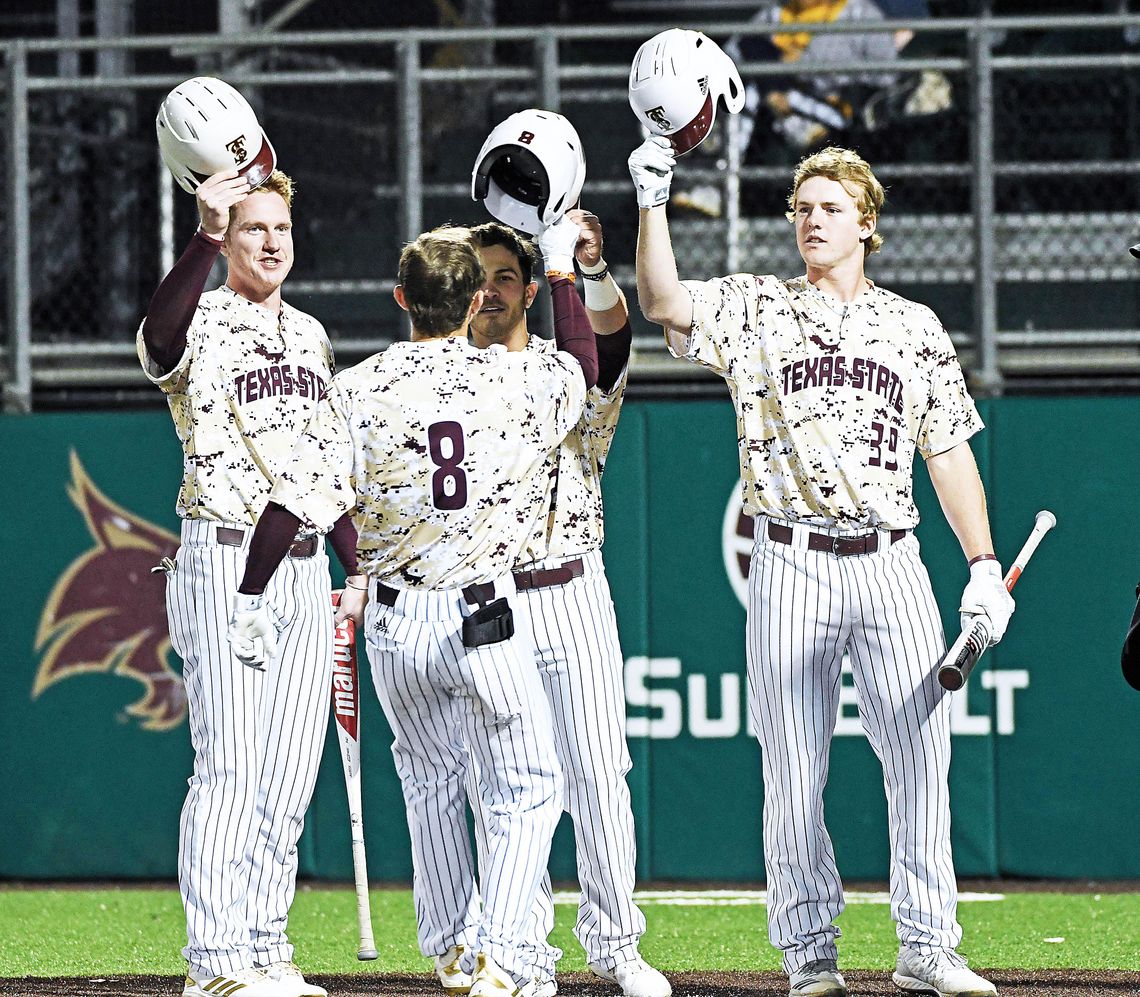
(835, 546)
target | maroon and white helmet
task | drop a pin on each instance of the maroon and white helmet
(674, 84)
(205, 126)
(530, 170)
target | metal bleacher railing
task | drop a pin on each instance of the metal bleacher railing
(1009, 210)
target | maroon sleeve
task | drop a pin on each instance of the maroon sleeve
(175, 301)
(613, 355)
(271, 541)
(572, 330)
(343, 539)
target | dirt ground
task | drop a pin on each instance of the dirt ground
(1011, 983)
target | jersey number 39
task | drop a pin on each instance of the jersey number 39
(449, 482)
(889, 436)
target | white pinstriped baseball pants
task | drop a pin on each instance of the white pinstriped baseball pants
(575, 637)
(804, 609)
(440, 698)
(258, 739)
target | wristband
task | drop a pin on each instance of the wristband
(981, 557)
(553, 275)
(601, 290)
(217, 240)
(358, 588)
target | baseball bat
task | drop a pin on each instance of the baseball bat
(973, 641)
(346, 710)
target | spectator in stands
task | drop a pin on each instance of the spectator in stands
(807, 109)
(810, 109)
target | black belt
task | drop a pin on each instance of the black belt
(474, 595)
(548, 577)
(231, 536)
(840, 546)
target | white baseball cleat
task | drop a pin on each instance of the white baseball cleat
(820, 978)
(636, 978)
(290, 976)
(249, 982)
(543, 986)
(943, 973)
(491, 980)
(450, 972)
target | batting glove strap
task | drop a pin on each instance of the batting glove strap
(986, 595)
(651, 167)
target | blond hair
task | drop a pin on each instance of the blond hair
(440, 273)
(276, 183)
(851, 170)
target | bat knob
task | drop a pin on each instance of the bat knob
(1046, 517)
(950, 677)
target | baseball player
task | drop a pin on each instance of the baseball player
(437, 448)
(561, 579)
(836, 383)
(242, 371)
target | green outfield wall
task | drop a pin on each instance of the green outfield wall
(1046, 771)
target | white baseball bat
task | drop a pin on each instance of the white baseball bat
(346, 711)
(973, 641)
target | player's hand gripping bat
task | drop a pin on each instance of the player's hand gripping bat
(346, 710)
(973, 641)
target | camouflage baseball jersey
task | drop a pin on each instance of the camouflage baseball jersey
(831, 399)
(575, 523)
(240, 396)
(436, 446)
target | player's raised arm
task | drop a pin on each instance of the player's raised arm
(572, 331)
(174, 302)
(605, 303)
(677, 79)
(662, 297)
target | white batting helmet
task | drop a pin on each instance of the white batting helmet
(530, 170)
(205, 126)
(674, 84)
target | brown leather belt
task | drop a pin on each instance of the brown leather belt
(474, 595)
(478, 595)
(547, 577)
(839, 546)
(232, 537)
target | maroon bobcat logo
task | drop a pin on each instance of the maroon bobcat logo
(657, 116)
(107, 612)
(237, 147)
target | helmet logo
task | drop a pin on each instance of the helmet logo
(526, 138)
(237, 147)
(657, 116)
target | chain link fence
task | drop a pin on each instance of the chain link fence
(1012, 170)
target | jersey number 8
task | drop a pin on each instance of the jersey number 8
(449, 483)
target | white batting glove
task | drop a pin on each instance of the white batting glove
(252, 634)
(985, 595)
(557, 243)
(651, 166)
